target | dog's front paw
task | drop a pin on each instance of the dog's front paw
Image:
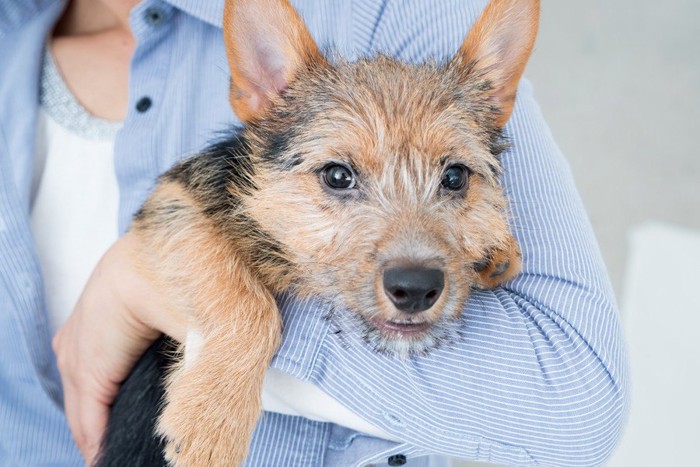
(198, 433)
(501, 265)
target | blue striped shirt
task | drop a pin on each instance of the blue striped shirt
(539, 375)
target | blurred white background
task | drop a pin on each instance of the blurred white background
(619, 84)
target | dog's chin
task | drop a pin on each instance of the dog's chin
(404, 338)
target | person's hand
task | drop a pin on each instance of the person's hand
(119, 314)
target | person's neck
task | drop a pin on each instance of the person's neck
(94, 16)
(92, 46)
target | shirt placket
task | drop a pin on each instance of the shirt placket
(135, 150)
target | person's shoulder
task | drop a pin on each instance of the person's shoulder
(16, 14)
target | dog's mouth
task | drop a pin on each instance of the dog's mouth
(404, 337)
(399, 328)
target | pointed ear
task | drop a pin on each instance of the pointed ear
(267, 43)
(498, 48)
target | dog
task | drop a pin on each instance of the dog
(372, 185)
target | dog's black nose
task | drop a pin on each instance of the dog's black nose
(413, 289)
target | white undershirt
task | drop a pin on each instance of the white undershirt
(74, 215)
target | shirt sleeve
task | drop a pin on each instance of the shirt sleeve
(539, 373)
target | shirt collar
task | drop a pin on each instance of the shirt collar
(210, 11)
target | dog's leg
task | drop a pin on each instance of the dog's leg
(213, 403)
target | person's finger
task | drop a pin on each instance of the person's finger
(93, 416)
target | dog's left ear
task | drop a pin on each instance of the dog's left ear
(498, 48)
(267, 43)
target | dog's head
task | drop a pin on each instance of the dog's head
(379, 179)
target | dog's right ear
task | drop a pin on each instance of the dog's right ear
(267, 43)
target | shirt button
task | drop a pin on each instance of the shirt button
(398, 459)
(154, 16)
(144, 104)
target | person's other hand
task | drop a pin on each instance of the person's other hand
(119, 314)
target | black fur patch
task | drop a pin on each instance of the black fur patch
(208, 175)
(129, 439)
(498, 143)
(277, 144)
(279, 141)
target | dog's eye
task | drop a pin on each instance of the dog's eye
(455, 177)
(338, 177)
